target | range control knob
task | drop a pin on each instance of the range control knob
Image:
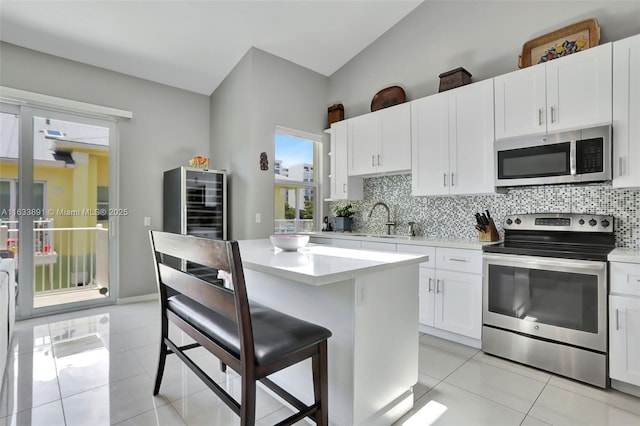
(509, 221)
(518, 221)
(593, 222)
(581, 221)
(605, 223)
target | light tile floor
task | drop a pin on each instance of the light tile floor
(96, 367)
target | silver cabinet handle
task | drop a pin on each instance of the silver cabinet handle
(378, 159)
(452, 181)
(617, 321)
(453, 259)
(620, 166)
(444, 183)
(430, 288)
(344, 187)
(540, 116)
(553, 114)
(373, 160)
(437, 286)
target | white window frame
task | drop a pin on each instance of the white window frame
(317, 183)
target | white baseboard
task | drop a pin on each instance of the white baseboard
(474, 343)
(136, 299)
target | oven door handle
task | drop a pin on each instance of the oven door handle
(535, 262)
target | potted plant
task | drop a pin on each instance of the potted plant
(344, 216)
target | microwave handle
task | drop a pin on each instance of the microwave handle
(572, 159)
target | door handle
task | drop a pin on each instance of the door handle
(620, 166)
(553, 114)
(452, 181)
(444, 183)
(617, 321)
(453, 259)
(430, 288)
(437, 286)
(344, 187)
(378, 159)
(373, 160)
(540, 116)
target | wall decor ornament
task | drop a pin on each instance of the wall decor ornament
(264, 161)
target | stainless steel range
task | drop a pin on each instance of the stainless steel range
(545, 294)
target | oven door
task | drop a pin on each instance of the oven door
(563, 300)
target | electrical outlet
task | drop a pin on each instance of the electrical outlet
(258, 218)
(147, 221)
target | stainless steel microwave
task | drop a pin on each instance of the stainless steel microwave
(568, 157)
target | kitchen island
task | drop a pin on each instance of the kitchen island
(369, 301)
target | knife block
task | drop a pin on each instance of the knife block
(491, 234)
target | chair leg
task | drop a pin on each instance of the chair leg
(321, 384)
(161, 362)
(248, 400)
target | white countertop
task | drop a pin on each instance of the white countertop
(319, 264)
(472, 244)
(625, 255)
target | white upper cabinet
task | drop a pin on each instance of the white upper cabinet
(626, 110)
(563, 94)
(579, 90)
(343, 187)
(520, 103)
(380, 142)
(452, 141)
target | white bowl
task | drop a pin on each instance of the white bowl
(289, 242)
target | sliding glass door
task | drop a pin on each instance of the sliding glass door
(57, 188)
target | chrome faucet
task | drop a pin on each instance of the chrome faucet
(389, 224)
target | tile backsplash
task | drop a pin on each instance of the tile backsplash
(453, 216)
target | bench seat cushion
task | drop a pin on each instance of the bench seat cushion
(275, 334)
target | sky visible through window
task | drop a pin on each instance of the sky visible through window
(292, 150)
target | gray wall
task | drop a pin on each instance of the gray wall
(169, 126)
(484, 37)
(261, 92)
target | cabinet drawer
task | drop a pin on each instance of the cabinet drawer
(375, 245)
(461, 260)
(625, 278)
(429, 251)
(338, 242)
(320, 240)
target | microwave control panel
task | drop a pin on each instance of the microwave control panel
(590, 155)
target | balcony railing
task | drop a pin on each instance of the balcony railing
(288, 226)
(64, 258)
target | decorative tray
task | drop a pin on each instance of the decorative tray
(570, 39)
(390, 96)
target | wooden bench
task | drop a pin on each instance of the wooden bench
(253, 340)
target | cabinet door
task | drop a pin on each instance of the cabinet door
(520, 103)
(458, 304)
(579, 90)
(395, 148)
(624, 339)
(342, 186)
(427, 295)
(471, 138)
(626, 110)
(364, 140)
(430, 145)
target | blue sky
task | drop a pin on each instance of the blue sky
(292, 150)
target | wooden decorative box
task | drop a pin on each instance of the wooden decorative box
(454, 78)
(335, 113)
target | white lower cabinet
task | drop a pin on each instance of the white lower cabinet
(451, 294)
(624, 323)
